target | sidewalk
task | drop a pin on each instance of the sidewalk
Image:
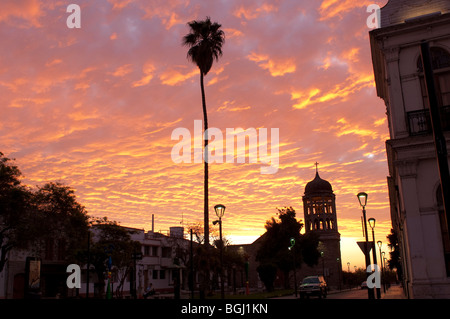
(394, 292)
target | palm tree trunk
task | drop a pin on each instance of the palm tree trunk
(205, 155)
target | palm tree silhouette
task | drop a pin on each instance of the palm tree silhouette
(205, 42)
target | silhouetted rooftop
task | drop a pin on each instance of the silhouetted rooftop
(318, 185)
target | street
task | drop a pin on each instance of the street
(395, 292)
(349, 294)
(345, 294)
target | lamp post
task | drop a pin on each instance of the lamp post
(247, 266)
(385, 270)
(362, 198)
(293, 258)
(191, 261)
(379, 243)
(348, 266)
(220, 211)
(88, 263)
(339, 265)
(323, 264)
(109, 289)
(372, 225)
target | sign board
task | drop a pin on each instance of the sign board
(362, 245)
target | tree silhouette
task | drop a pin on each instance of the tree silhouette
(274, 253)
(110, 240)
(29, 219)
(205, 42)
(15, 209)
(59, 218)
(395, 260)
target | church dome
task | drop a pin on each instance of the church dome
(318, 186)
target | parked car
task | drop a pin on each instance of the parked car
(313, 286)
(364, 285)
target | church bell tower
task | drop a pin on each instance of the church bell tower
(319, 206)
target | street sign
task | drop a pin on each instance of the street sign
(362, 245)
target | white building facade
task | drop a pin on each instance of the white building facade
(417, 212)
(162, 263)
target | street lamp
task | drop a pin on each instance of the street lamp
(379, 243)
(385, 268)
(292, 241)
(371, 222)
(362, 198)
(323, 263)
(220, 211)
(372, 225)
(338, 260)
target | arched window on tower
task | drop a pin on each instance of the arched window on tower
(320, 208)
(316, 224)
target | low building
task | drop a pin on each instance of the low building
(43, 273)
(161, 264)
(34, 273)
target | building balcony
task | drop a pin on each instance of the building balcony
(419, 122)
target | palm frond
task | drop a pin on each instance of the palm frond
(205, 42)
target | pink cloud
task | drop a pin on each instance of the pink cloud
(254, 11)
(338, 8)
(14, 12)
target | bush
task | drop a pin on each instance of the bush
(267, 273)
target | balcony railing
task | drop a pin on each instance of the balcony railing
(420, 123)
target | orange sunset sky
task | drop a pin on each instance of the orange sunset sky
(94, 108)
